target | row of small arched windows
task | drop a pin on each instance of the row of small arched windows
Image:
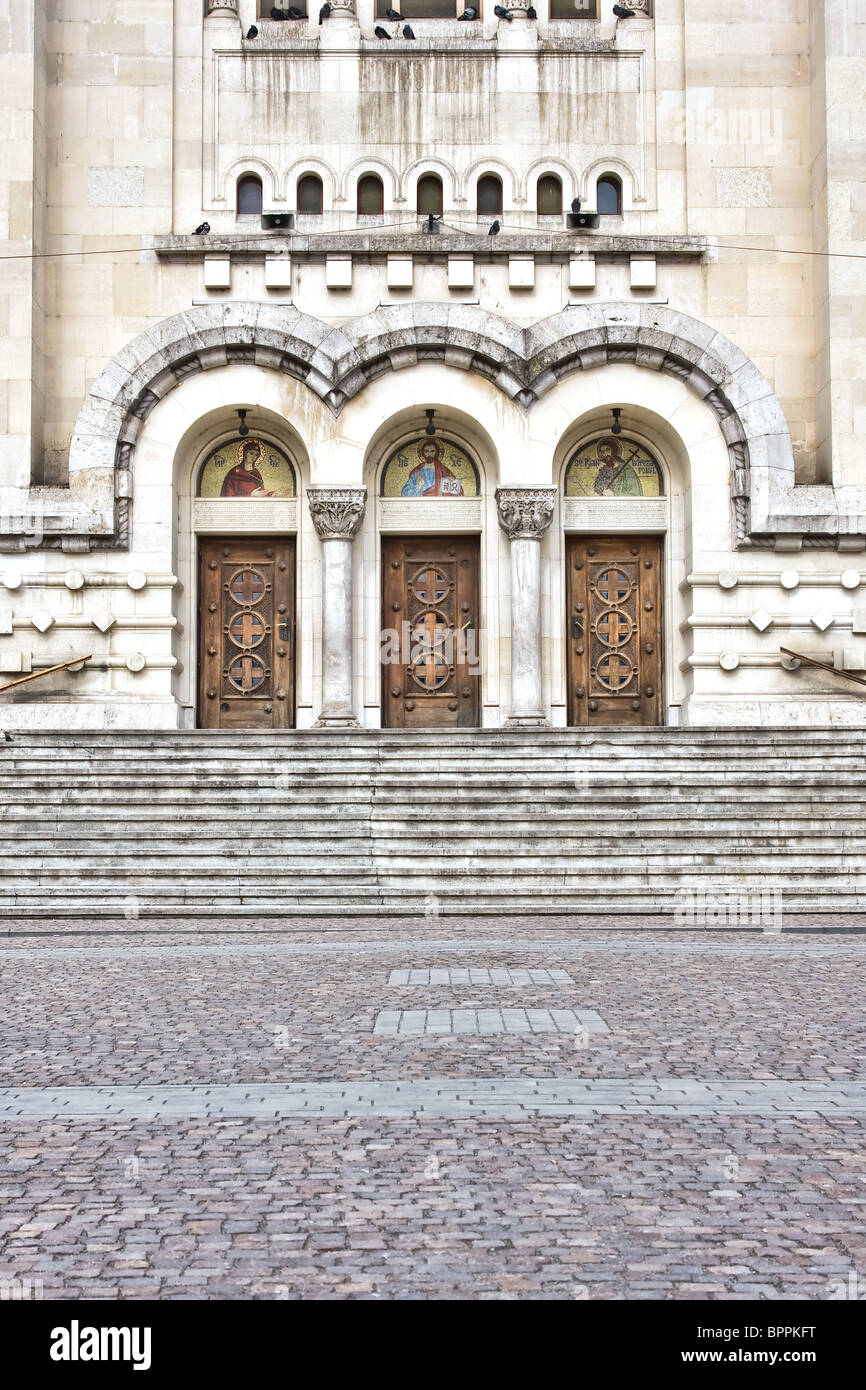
(429, 196)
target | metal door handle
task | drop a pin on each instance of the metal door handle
(577, 626)
(283, 629)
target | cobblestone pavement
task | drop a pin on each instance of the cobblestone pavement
(212, 1114)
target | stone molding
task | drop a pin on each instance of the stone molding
(337, 512)
(336, 364)
(525, 512)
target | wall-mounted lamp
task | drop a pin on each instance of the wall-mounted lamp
(243, 427)
(616, 427)
(431, 428)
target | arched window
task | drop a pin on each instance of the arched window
(488, 196)
(371, 196)
(249, 196)
(548, 196)
(429, 196)
(310, 197)
(609, 196)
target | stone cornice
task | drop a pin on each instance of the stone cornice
(410, 240)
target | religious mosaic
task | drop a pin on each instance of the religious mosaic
(613, 467)
(429, 467)
(248, 467)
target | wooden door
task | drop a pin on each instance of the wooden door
(431, 662)
(615, 630)
(246, 634)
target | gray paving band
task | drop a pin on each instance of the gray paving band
(478, 975)
(406, 1023)
(507, 1099)
(760, 944)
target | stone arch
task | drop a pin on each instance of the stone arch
(523, 363)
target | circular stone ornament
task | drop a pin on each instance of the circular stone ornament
(729, 661)
(789, 579)
(136, 579)
(727, 579)
(12, 579)
(850, 579)
(135, 662)
(73, 579)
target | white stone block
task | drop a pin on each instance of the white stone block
(401, 272)
(103, 619)
(761, 619)
(461, 272)
(278, 272)
(15, 662)
(581, 273)
(217, 273)
(5, 621)
(643, 272)
(822, 619)
(854, 659)
(858, 619)
(338, 272)
(42, 620)
(521, 272)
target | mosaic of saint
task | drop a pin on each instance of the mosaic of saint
(613, 467)
(429, 467)
(244, 468)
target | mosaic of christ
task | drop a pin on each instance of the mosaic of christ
(429, 467)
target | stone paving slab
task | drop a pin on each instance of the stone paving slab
(478, 975)
(492, 1097)
(485, 1022)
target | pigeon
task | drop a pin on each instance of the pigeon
(381, 33)
(501, 13)
(394, 15)
(493, 229)
(325, 12)
(469, 13)
(575, 205)
(202, 229)
(408, 31)
(277, 14)
(252, 32)
(294, 13)
(623, 12)
(531, 13)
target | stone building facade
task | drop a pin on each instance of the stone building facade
(350, 455)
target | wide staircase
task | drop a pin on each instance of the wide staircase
(250, 825)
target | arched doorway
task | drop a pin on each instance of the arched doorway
(246, 585)
(431, 628)
(614, 584)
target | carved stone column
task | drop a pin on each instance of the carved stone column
(524, 515)
(337, 514)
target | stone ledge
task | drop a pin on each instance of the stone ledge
(541, 242)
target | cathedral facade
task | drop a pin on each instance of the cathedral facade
(455, 370)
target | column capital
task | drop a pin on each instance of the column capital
(229, 7)
(337, 512)
(525, 512)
